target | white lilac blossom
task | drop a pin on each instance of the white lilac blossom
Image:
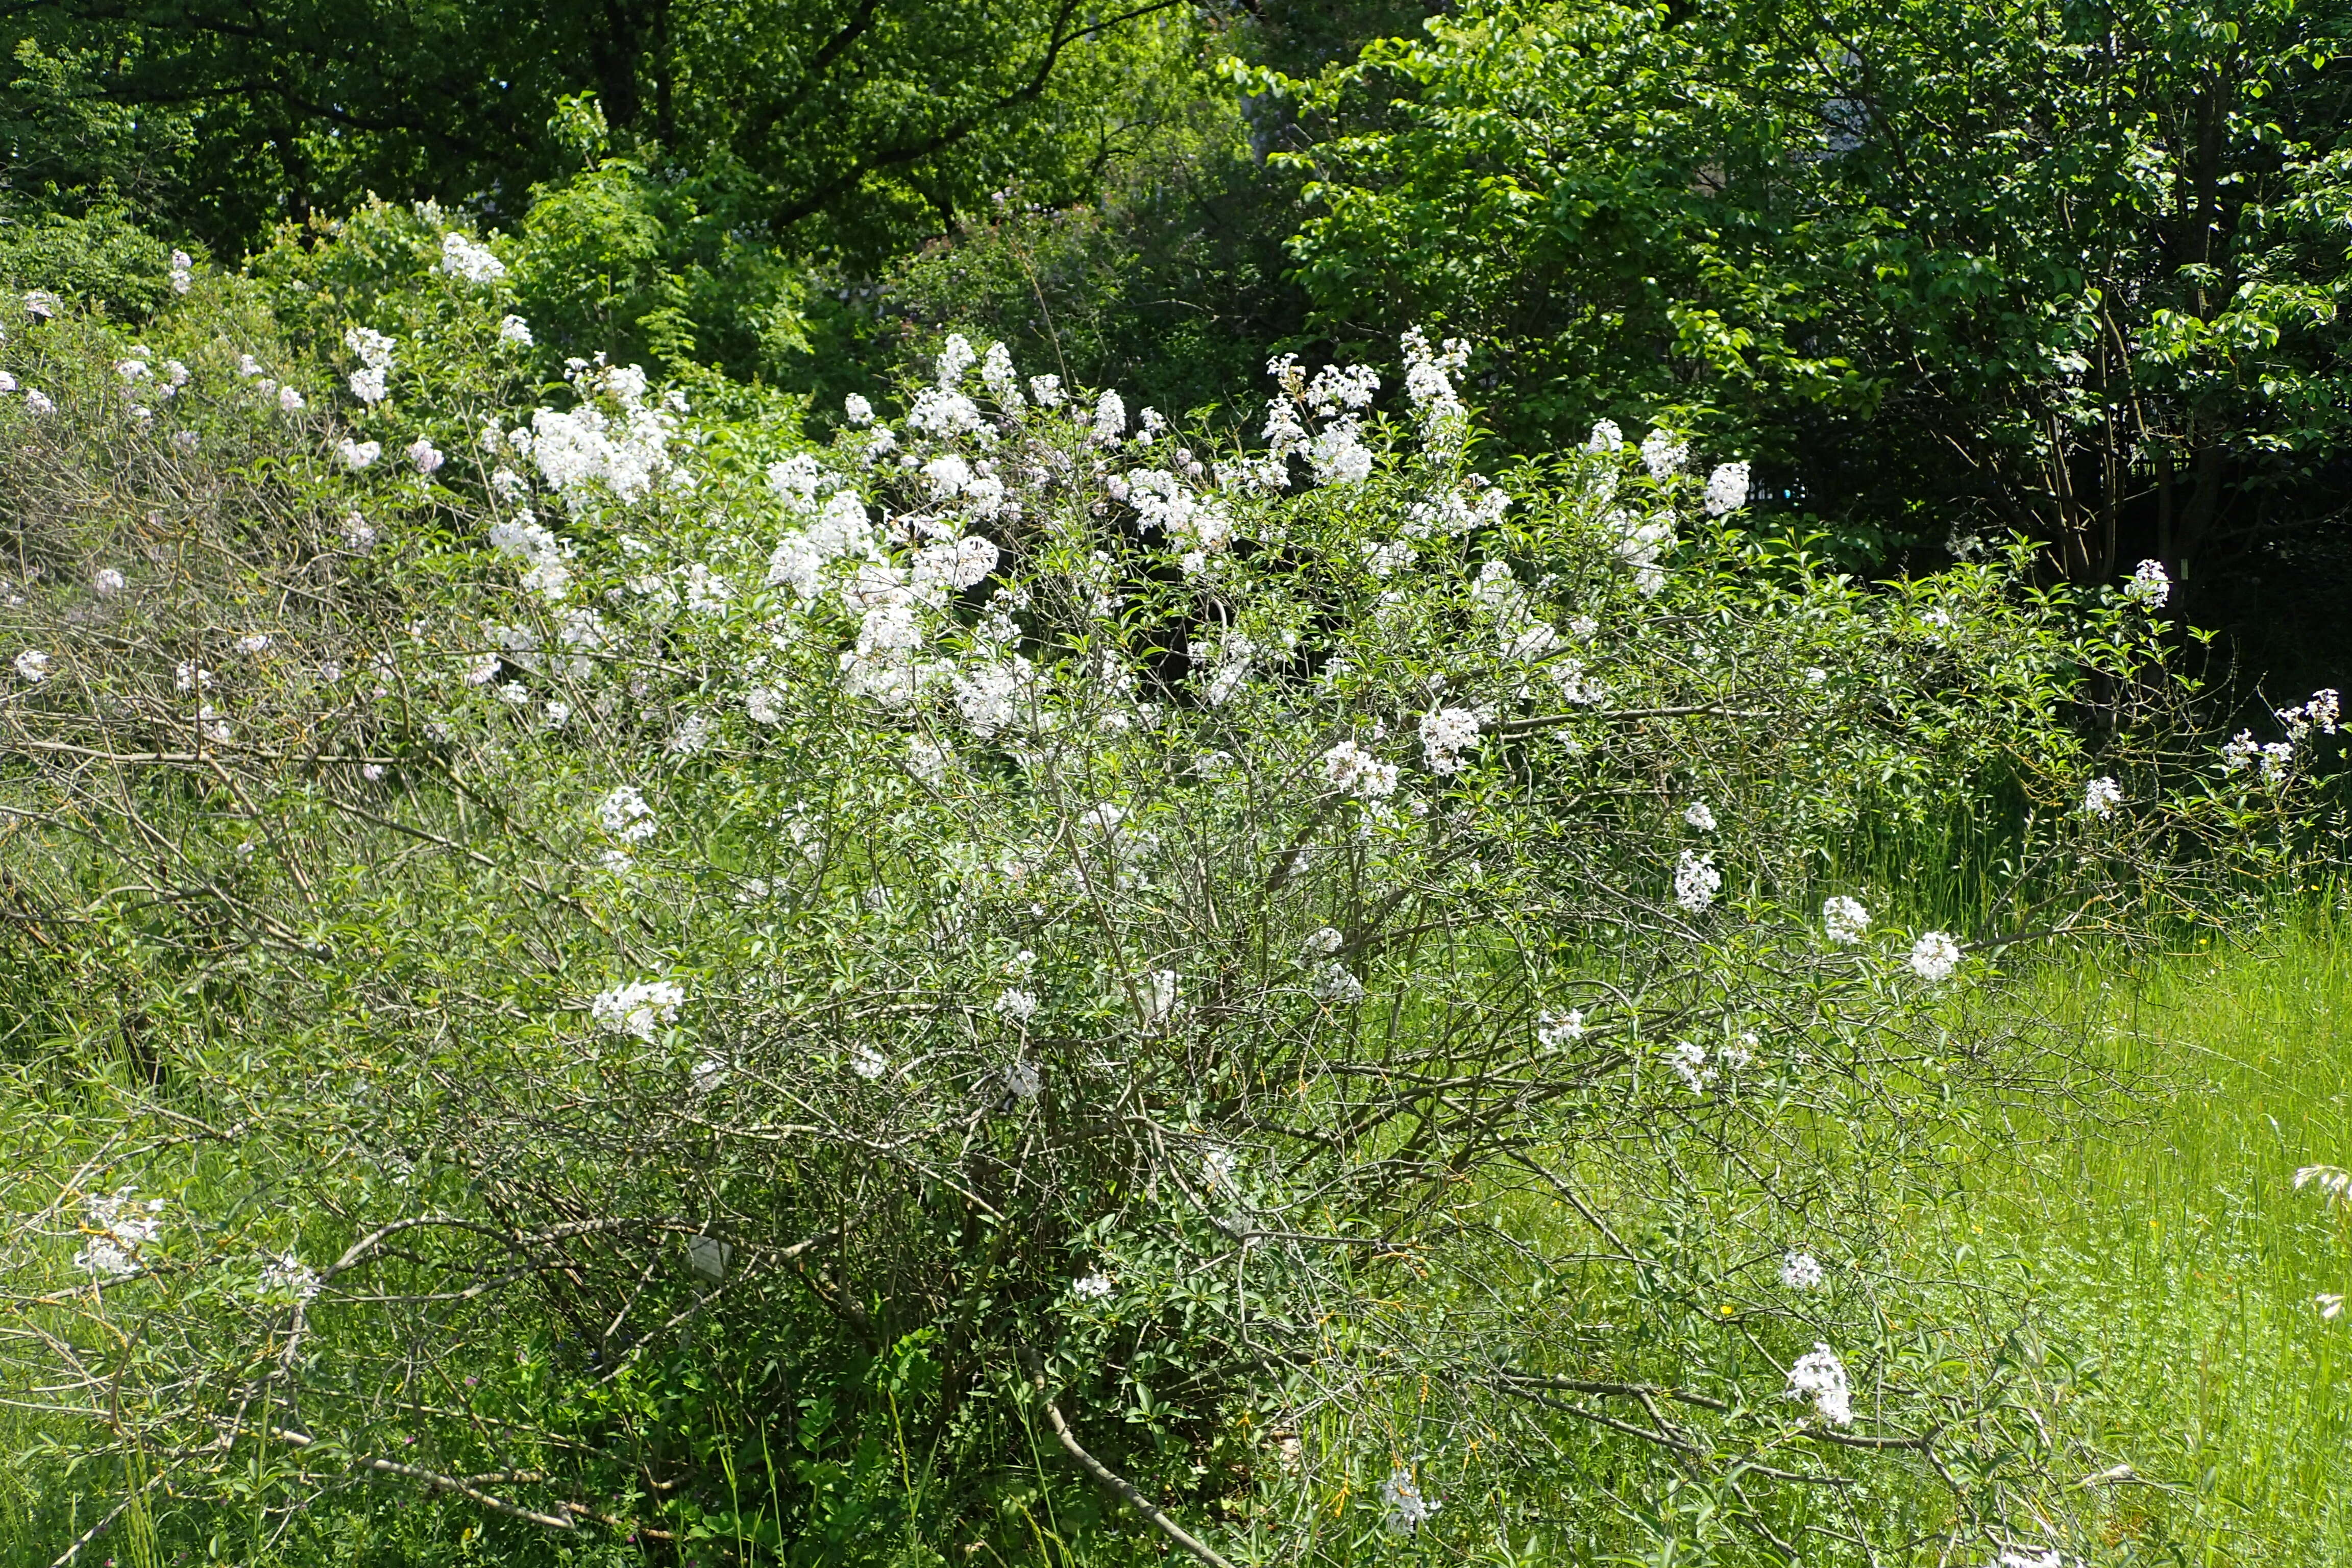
(287, 1275)
(33, 665)
(1726, 490)
(516, 332)
(1696, 881)
(867, 1062)
(1819, 1376)
(1699, 815)
(2149, 587)
(1933, 956)
(639, 1008)
(857, 410)
(2026, 1557)
(1445, 734)
(1429, 384)
(1408, 1508)
(7, 384)
(1111, 417)
(1606, 438)
(132, 370)
(425, 458)
(585, 446)
(290, 400)
(1095, 1286)
(996, 374)
(1844, 921)
(2101, 796)
(120, 1226)
(1349, 767)
(463, 259)
(1803, 1271)
(37, 402)
(1018, 1006)
(2322, 712)
(1641, 543)
(925, 759)
(624, 814)
(1664, 455)
(358, 533)
(374, 352)
(1045, 391)
(107, 583)
(483, 669)
(955, 359)
(1688, 1062)
(1335, 986)
(2244, 751)
(1338, 456)
(991, 696)
(358, 455)
(183, 271)
(188, 675)
(1554, 1030)
(253, 643)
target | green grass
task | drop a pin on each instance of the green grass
(2178, 1253)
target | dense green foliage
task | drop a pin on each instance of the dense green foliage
(2072, 271)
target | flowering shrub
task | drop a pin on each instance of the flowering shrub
(1301, 969)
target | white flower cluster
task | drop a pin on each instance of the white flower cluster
(118, 1225)
(1429, 386)
(1445, 734)
(546, 571)
(1557, 1030)
(2101, 796)
(1819, 1376)
(639, 1008)
(1408, 1507)
(2321, 711)
(287, 1275)
(2243, 751)
(1700, 815)
(1687, 1059)
(33, 665)
(183, 273)
(1696, 881)
(463, 259)
(624, 814)
(1803, 1271)
(586, 446)
(1349, 767)
(2149, 587)
(1664, 454)
(1726, 490)
(1844, 921)
(1094, 1287)
(368, 383)
(1933, 956)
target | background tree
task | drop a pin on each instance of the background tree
(2071, 270)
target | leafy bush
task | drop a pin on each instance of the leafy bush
(671, 988)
